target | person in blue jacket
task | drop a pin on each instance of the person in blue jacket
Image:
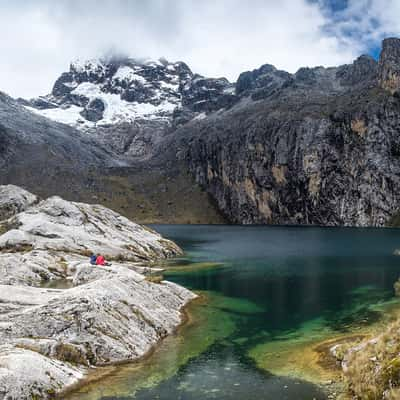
(93, 259)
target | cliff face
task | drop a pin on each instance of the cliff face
(322, 147)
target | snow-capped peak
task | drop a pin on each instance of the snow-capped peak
(92, 65)
(99, 92)
(127, 74)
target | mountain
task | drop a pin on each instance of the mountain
(320, 146)
(43, 153)
(52, 158)
(128, 104)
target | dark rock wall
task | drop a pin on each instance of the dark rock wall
(332, 160)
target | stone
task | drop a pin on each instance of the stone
(94, 110)
(51, 338)
(26, 374)
(13, 200)
(322, 149)
(265, 80)
(63, 226)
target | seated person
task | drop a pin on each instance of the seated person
(101, 260)
(93, 259)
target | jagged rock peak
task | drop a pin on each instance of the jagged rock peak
(389, 65)
(108, 91)
(267, 78)
(364, 68)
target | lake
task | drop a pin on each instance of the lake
(267, 295)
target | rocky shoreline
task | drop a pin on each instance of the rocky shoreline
(52, 338)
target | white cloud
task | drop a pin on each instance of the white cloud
(362, 24)
(216, 38)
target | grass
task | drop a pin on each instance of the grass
(373, 367)
(154, 278)
(145, 195)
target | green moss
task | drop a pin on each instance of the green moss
(397, 288)
(51, 393)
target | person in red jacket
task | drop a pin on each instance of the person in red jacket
(100, 260)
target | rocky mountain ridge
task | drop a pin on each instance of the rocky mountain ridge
(316, 147)
(128, 104)
(96, 93)
(131, 105)
(320, 148)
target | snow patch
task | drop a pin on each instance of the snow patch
(92, 65)
(68, 116)
(169, 86)
(116, 110)
(127, 74)
(200, 116)
(71, 84)
(229, 90)
(153, 63)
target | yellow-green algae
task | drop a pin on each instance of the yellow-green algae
(191, 268)
(304, 353)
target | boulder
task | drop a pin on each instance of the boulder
(94, 110)
(26, 374)
(63, 226)
(13, 200)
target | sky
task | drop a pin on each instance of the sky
(39, 38)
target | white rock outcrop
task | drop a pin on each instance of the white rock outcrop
(57, 224)
(13, 200)
(50, 338)
(26, 373)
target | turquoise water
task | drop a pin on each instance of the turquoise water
(267, 289)
(294, 274)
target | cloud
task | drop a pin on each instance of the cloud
(215, 38)
(362, 24)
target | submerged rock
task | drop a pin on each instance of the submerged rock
(50, 337)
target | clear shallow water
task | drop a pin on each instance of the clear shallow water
(273, 290)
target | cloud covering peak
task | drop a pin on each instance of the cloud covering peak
(224, 38)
